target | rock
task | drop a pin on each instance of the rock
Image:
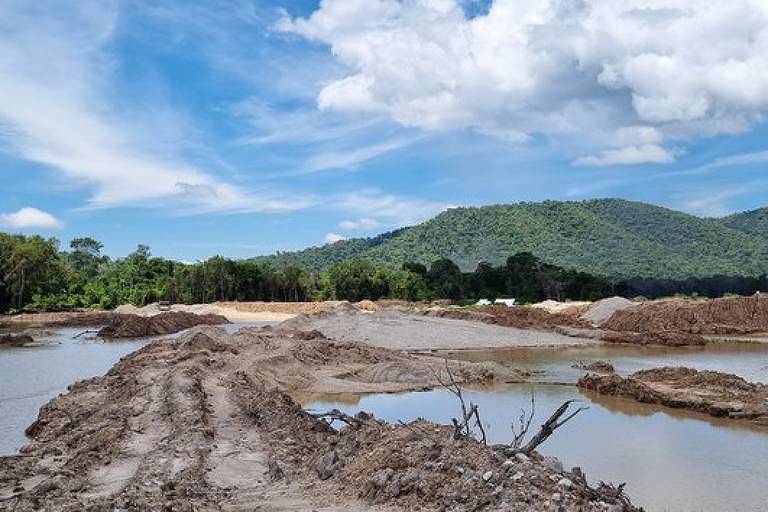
(381, 477)
(556, 496)
(521, 457)
(566, 483)
(487, 476)
(517, 476)
(508, 463)
(327, 465)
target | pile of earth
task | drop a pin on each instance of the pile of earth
(83, 317)
(666, 338)
(714, 393)
(736, 315)
(204, 422)
(15, 340)
(136, 326)
(554, 306)
(519, 317)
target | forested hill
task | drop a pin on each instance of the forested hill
(754, 222)
(613, 237)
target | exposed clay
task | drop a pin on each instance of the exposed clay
(60, 318)
(737, 315)
(135, 326)
(203, 422)
(714, 393)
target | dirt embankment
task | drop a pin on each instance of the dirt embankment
(714, 393)
(60, 319)
(517, 316)
(135, 326)
(15, 340)
(737, 315)
(204, 422)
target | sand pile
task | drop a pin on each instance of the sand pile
(136, 326)
(714, 393)
(738, 315)
(553, 306)
(599, 312)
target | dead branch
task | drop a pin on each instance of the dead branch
(525, 424)
(553, 423)
(462, 428)
(335, 415)
(84, 332)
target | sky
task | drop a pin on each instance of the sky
(245, 127)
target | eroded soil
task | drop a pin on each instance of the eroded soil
(714, 393)
(206, 422)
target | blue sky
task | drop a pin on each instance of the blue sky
(242, 127)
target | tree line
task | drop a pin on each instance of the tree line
(35, 274)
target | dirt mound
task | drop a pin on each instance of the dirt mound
(667, 338)
(738, 315)
(15, 340)
(516, 316)
(61, 318)
(135, 326)
(714, 393)
(599, 312)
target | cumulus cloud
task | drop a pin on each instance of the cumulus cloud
(30, 218)
(633, 74)
(363, 223)
(630, 155)
(332, 238)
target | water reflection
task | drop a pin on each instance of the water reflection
(672, 460)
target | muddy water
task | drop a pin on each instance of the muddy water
(672, 461)
(30, 376)
(747, 360)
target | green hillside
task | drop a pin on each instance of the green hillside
(754, 222)
(612, 237)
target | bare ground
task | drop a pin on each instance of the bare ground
(204, 422)
(714, 393)
(403, 331)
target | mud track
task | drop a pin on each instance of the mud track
(205, 422)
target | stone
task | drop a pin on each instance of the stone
(521, 457)
(566, 483)
(517, 476)
(487, 476)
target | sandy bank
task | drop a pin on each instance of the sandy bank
(205, 422)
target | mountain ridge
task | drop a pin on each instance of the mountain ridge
(613, 237)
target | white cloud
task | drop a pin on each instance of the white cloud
(392, 210)
(636, 69)
(57, 109)
(630, 155)
(30, 218)
(363, 223)
(332, 238)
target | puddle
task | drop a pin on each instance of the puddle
(672, 461)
